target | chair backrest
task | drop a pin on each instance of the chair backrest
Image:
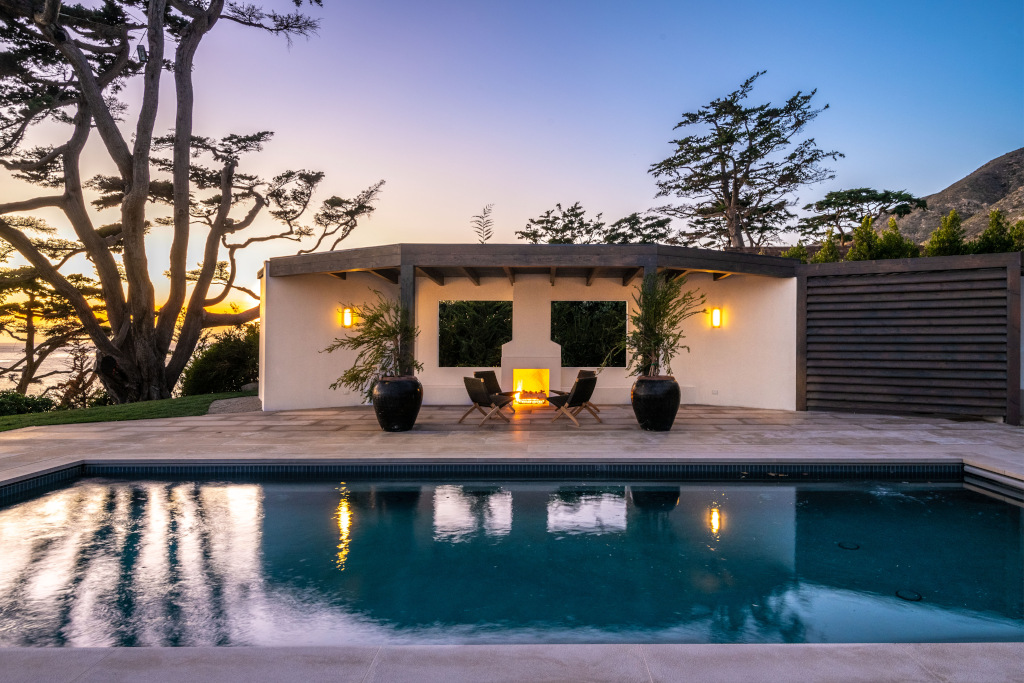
(582, 390)
(477, 391)
(583, 373)
(490, 380)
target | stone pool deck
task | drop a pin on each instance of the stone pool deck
(702, 434)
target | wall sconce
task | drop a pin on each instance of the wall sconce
(348, 317)
(716, 318)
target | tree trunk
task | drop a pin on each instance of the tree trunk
(137, 374)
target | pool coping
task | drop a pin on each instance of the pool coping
(976, 477)
(797, 663)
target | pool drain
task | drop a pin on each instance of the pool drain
(909, 596)
(846, 545)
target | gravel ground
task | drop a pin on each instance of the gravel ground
(245, 404)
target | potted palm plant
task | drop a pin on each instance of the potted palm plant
(383, 369)
(654, 340)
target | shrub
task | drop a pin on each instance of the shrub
(470, 333)
(996, 239)
(892, 244)
(865, 241)
(829, 252)
(799, 252)
(13, 403)
(588, 331)
(948, 238)
(228, 362)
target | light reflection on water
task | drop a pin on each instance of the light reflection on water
(105, 563)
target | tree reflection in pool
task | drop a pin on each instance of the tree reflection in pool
(159, 563)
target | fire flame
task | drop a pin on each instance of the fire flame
(529, 398)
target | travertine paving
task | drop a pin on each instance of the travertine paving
(701, 433)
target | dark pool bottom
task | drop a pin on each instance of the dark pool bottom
(192, 563)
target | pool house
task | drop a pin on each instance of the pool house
(929, 336)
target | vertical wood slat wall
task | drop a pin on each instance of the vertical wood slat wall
(936, 336)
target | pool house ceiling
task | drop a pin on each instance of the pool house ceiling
(441, 263)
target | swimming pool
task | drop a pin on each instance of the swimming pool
(107, 562)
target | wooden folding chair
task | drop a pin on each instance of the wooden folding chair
(491, 384)
(482, 401)
(589, 405)
(569, 405)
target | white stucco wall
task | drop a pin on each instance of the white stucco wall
(749, 362)
(300, 318)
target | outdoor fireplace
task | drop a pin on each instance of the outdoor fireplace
(531, 385)
(531, 350)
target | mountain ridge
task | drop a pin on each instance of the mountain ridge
(998, 184)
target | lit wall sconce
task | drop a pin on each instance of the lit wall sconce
(716, 318)
(348, 317)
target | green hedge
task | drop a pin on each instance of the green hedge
(231, 361)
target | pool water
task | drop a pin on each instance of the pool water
(159, 563)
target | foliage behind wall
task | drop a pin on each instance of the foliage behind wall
(588, 330)
(470, 333)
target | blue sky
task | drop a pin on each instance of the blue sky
(525, 104)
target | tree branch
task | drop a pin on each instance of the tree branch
(224, 319)
(47, 272)
(33, 204)
(184, 57)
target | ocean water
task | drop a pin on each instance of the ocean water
(187, 563)
(12, 352)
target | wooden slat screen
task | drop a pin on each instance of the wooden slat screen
(925, 340)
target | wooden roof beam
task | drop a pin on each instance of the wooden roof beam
(389, 274)
(553, 272)
(510, 274)
(340, 276)
(719, 276)
(433, 275)
(594, 272)
(631, 275)
(679, 274)
(473, 276)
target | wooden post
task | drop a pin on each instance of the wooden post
(407, 299)
(650, 266)
(1013, 332)
(801, 339)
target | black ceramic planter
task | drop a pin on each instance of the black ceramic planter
(397, 401)
(655, 402)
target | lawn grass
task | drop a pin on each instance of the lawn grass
(172, 407)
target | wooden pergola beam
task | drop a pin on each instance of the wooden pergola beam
(473, 276)
(593, 273)
(447, 257)
(631, 275)
(719, 276)
(510, 274)
(390, 274)
(679, 274)
(340, 276)
(434, 276)
(553, 274)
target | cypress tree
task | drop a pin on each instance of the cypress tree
(948, 238)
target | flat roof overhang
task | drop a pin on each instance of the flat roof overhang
(440, 262)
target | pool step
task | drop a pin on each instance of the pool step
(1007, 488)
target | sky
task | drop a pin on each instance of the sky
(524, 104)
